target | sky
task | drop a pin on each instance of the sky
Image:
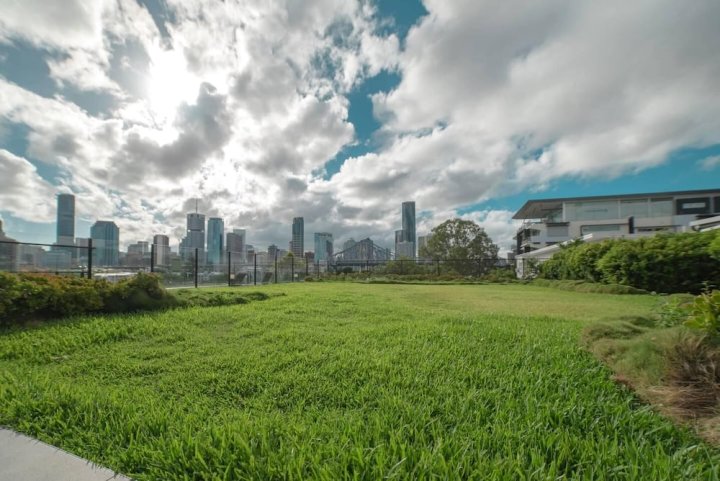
(340, 110)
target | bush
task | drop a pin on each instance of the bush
(39, 296)
(141, 292)
(683, 262)
(705, 314)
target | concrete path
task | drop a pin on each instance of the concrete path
(26, 459)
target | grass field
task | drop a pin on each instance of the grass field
(347, 381)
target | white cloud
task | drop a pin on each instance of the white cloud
(243, 106)
(23, 189)
(710, 163)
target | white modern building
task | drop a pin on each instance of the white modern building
(547, 222)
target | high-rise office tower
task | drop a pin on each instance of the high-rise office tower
(408, 224)
(272, 252)
(297, 245)
(235, 244)
(65, 219)
(195, 237)
(423, 242)
(323, 246)
(162, 250)
(215, 234)
(106, 243)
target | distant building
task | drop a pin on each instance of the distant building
(235, 244)
(215, 234)
(8, 252)
(547, 222)
(162, 250)
(194, 238)
(399, 239)
(404, 250)
(309, 257)
(408, 225)
(273, 251)
(323, 246)
(138, 254)
(349, 243)
(423, 242)
(65, 219)
(297, 244)
(106, 243)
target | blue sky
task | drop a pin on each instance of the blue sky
(340, 110)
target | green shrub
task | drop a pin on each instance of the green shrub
(141, 292)
(682, 262)
(705, 313)
(674, 309)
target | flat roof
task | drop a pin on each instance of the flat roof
(539, 208)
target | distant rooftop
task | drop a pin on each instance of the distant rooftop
(540, 208)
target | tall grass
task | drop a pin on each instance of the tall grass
(346, 381)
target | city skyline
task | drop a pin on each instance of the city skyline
(414, 100)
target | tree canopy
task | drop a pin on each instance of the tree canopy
(463, 243)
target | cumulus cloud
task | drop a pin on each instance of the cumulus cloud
(23, 189)
(243, 105)
(710, 163)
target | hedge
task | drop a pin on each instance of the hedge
(41, 296)
(682, 262)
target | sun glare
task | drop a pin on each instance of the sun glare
(169, 84)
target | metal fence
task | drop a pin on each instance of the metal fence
(193, 268)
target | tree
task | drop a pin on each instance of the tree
(463, 245)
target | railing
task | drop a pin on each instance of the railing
(234, 269)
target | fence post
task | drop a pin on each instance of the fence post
(307, 267)
(276, 266)
(152, 257)
(195, 266)
(229, 268)
(90, 249)
(255, 269)
(317, 269)
(437, 262)
(292, 269)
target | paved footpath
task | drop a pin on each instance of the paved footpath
(26, 459)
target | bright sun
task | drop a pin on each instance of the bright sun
(169, 84)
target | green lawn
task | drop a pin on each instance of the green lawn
(347, 381)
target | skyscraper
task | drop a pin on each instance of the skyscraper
(162, 250)
(235, 243)
(106, 242)
(323, 246)
(423, 242)
(215, 233)
(195, 237)
(297, 245)
(408, 224)
(65, 219)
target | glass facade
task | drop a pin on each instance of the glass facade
(589, 229)
(65, 219)
(408, 224)
(298, 237)
(661, 207)
(634, 208)
(595, 210)
(106, 243)
(323, 246)
(215, 233)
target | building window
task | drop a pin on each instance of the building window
(634, 208)
(589, 229)
(558, 231)
(598, 210)
(661, 207)
(696, 205)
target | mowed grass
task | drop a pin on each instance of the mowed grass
(347, 381)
